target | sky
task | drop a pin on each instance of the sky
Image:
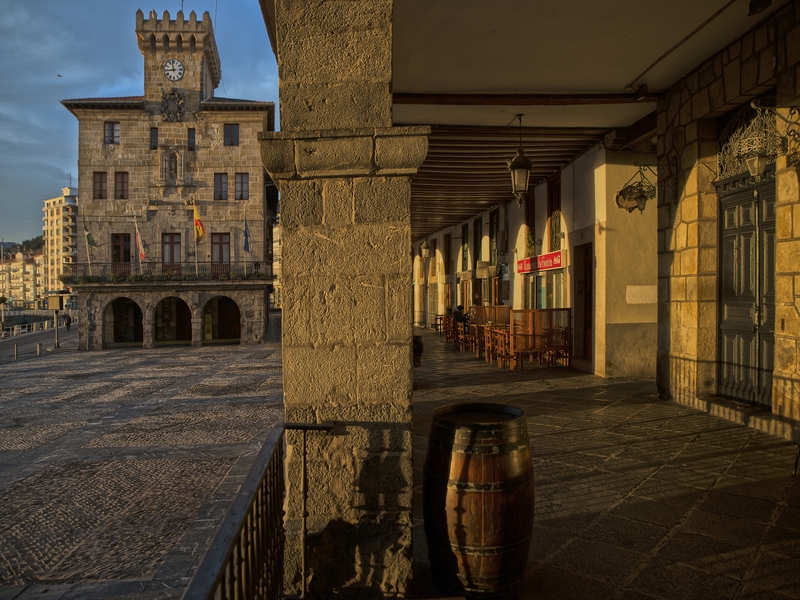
(92, 45)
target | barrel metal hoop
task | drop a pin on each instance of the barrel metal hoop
(486, 550)
(481, 449)
(466, 486)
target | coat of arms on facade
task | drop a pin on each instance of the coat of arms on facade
(172, 105)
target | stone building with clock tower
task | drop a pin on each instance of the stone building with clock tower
(149, 168)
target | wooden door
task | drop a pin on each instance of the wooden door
(228, 324)
(747, 294)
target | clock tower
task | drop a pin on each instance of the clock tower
(180, 59)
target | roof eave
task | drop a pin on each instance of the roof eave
(268, 11)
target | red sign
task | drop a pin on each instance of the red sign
(543, 262)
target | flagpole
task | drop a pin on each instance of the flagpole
(88, 253)
(195, 213)
(139, 244)
(199, 233)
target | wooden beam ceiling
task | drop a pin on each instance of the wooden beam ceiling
(466, 172)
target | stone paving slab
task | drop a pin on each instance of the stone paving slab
(116, 467)
(636, 497)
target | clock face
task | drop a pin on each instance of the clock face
(173, 69)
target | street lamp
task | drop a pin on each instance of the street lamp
(520, 167)
(425, 251)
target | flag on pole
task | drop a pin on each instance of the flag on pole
(139, 244)
(89, 239)
(199, 230)
(246, 236)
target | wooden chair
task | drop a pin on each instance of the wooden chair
(500, 344)
(480, 340)
(469, 339)
(461, 335)
(488, 343)
(448, 328)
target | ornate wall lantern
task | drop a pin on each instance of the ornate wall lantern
(636, 193)
(755, 141)
(520, 167)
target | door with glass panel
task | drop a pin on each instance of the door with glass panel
(171, 252)
(121, 253)
(220, 253)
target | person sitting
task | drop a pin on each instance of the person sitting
(458, 314)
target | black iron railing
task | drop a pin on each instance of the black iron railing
(84, 273)
(245, 560)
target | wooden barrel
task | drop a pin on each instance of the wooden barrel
(478, 498)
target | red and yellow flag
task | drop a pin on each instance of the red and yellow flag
(199, 230)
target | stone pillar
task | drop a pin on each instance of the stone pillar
(197, 328)
(344, 176)
(786, 374)
(148, 332)
(687, 246)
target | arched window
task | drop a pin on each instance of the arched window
(152, 43)
(192, 45)
(165, 41)
(179, 43)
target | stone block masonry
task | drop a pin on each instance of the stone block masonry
(347, 348)
(344, 177)
(764, 59)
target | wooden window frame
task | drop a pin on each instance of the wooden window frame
(242, 186)
(465, 247)
(170, 246)
(231, 134)
(220, 186)
(121, 185)
(494, 230)
(554, 211)
(477, 241)
(111, 132)
(100, 185)
(220, 253)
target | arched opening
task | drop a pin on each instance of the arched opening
(179, 43)
(123, 322)
(152, 43)
(192, 45)
(221, 321)
(173, 322)
(165, 41)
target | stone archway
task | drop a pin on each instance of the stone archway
(222, 321)
(172, 322)
(123, 322)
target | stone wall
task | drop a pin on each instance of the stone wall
(765, 58)
(93, 334)
(159, 204)
(344, 177)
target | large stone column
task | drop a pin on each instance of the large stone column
(344, 176)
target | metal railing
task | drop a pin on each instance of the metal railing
(16, 330)
(245, 559)
(84, 273)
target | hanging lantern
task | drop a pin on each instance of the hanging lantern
(425, 251)
(520, 167)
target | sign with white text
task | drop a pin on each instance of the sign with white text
(543, 262)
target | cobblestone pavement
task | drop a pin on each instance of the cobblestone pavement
(636, 498)
(117, 466)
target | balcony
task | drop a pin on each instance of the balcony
(156, 272)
